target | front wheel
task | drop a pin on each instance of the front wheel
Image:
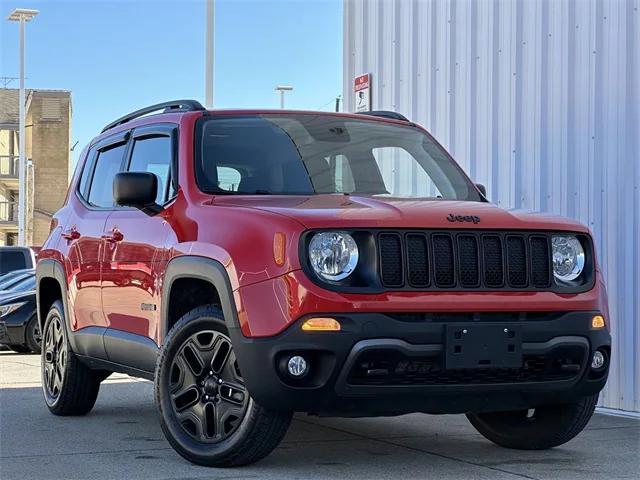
(32, 335)
(205, 410)
(537, 428)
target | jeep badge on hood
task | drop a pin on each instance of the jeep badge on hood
(463, 218)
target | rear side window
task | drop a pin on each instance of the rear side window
(11, 260)
(228, 179)
(154, 154)
(86, 174)
(107, 165)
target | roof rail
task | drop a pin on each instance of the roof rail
(172, 106)
(386, 114)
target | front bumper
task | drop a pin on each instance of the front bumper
(4, 335)
(13, 326)
(406, 353)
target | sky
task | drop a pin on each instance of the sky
(117, 56)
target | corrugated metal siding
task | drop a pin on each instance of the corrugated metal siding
(538, 100)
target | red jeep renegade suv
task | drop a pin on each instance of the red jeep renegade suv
(258, 263)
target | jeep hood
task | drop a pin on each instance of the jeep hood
(353, 211)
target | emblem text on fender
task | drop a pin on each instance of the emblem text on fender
(463, 218)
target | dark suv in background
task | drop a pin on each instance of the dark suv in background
(258, 263)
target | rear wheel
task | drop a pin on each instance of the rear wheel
(69, 386)
(538, 428)
(205, 410)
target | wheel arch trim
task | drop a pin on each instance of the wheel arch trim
(49, 268)
(199, 268)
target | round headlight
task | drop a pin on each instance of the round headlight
(568, 257)
(333, 255)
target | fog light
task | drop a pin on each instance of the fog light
(297, 366)
(597, 321)
(598, 360)
(321, 325)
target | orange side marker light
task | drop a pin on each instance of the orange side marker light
(321, 324)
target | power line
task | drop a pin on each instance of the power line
(7, 80)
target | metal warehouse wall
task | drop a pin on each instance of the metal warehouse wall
(538, 100)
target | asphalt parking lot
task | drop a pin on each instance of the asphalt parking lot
(121, 439)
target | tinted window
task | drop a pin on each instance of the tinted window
(154, 155)
(11, 260)
(86, 173)
(107, 165)
(306, 154)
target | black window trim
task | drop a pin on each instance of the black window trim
(121, 138)
(158, 130)
(127, 138)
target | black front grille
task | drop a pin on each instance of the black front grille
(390, 367)
(464, 260)
(418, 270)
(391, 259)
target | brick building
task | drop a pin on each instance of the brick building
(48, 135)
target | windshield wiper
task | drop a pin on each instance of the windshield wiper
(233, 192)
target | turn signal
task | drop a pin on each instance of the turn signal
(279, 242)
(321, 324)
(597, 321)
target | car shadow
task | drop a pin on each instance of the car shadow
(123, 429)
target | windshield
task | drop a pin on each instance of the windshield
(8, 281)
(306, 154)
(23, 285)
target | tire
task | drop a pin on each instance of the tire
(32, 335)
(69, 386)
(215, 423)
(543, 428)
(19, 348)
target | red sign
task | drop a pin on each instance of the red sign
(361, 82)
(362, 92)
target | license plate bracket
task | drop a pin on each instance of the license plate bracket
(473, 346)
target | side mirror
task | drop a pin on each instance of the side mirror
(137, 189)
(483, 189)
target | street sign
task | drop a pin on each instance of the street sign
(362, 92)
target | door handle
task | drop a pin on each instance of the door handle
(71, 234)
(114, 236)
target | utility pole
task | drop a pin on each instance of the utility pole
(209, 54)
(282, 89)
(23, 16)
(338, 98)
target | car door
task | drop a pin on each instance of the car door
(135, 254)
(82, 238)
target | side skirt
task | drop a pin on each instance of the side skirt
(109, 349)
(100, 364)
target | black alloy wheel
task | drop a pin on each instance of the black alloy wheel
(208, 395)
(204, 405)
(55, 359)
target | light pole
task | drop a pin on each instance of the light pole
(23, 16)
(209, 55)
(282, 89)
